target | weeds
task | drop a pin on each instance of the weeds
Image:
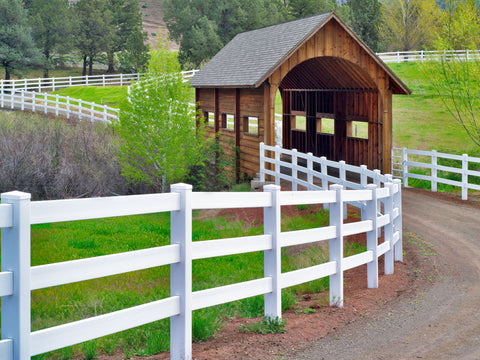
(267, 325)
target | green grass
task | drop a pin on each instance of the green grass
(103, 95)
(59, 242)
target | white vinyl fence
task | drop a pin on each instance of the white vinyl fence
(424, 165)
(18, 278)
(52, 84)
(423, 55)
(58, 105)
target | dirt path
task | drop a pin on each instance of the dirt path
(441, 321)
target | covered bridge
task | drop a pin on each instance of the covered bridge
(331, 84)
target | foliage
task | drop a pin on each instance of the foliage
(457, 82)
(267, 325)
(301, 8)
(366, 21)
(128, 37)
(93, 30)
(459, 25)
(202, 27)
(410, 24)
(51, 28)
(56, 160)
(159, 137)
(17, 48)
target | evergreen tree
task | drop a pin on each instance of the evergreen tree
(17, 48)
(93, 30)
(302, 8)
(366, 21)
(128, 35)
(202, 27)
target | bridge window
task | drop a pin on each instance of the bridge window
(250, 124)
(228, 121)
(298, 122)
(210, 118)
(326, 126)
(358, 129)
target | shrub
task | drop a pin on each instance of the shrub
(53, 159)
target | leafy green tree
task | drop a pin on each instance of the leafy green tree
(366, 21)
(128, 35)
(93, 30)
(459, 25)
(410, 24)
(202, 27)
(457, 82)
(17, 48)
(160, 139)
(51, 27)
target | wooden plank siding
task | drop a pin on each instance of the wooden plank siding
(350, 64)
(240, 103)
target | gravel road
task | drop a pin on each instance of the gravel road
(437, 321)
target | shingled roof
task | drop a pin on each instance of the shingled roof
(245, 60)
(250, 57)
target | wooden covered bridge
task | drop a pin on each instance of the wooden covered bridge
(330, 83)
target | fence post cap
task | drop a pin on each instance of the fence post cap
(271, 187)
(180, 187)
(336, 187)
(16, 195)
(371, 186)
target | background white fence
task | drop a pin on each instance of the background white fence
(58, 105)
(18, 278)
(423, 55)
(411, 164)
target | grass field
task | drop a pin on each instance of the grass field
(75, 240)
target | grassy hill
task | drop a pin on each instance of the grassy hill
(153, 24)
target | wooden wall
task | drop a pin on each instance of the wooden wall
(334, 41)
(240, 103)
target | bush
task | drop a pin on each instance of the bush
(53, 159)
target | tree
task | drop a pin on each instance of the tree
(366, 21)
(160, 140)
(17, 48)
(127, 35)
(459, 25)
(301, 8)
(202, 27)
(51, 27)
(410, 24)
(457, 82)
(93, 30)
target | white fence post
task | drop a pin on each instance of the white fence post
(372, 237)
(388, 229)
(57, 105)
(262, 162)
(277, 164)
(272, 258)
(294, 169)
(22, 100)
(16, 316)
(405, 167)
(434, 170)
(181, 275)
(363, 175)
(336, 247)
(397, 203)
(464, 176)
(310, 170)
(343, 178)
(53, 84)
(68, 107)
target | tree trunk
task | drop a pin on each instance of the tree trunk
(90, 65)
(7, 73)
(84, 72)
(111, 62)
(45, 67)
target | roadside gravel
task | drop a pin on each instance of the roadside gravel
(441, 321)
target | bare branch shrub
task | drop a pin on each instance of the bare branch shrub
(53, 159)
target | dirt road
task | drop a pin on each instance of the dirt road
(441, 321)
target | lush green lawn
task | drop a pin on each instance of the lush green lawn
(81, 239)
(103, 95)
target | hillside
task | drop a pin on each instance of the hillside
(153, 24)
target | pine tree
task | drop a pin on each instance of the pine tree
(17, 48)
(366, 21)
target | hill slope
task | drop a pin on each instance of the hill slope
(153, 24)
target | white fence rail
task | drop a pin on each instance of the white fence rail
(52, 84)
(18, 278)
(423, 55)
(58, 105)
(406, 163)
